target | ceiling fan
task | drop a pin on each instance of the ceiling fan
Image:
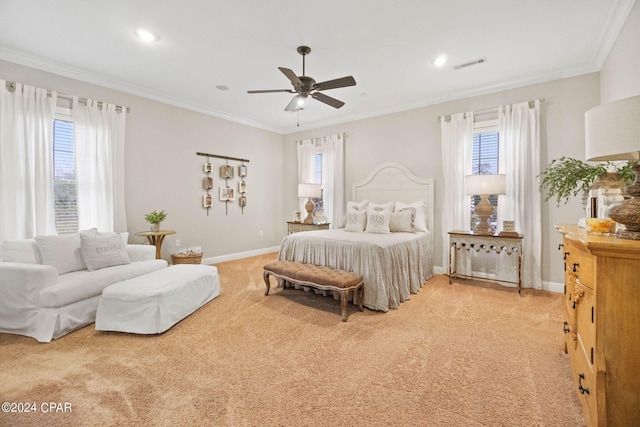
(305, 86)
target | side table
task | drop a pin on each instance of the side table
(493, 242)
(296, 227)
(156, 238)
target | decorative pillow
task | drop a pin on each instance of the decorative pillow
(402, 221)
(420, 220)
(355, 220)
(360, 206)
(103, 250)
(23, 250)
(388, 205)
(378, 220)
(61, 252)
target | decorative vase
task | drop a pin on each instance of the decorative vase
(155, 227)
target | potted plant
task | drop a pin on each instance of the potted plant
(155, 218)
(565, 177)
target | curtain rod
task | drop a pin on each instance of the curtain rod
(488, 110)
(222, 157)
(11, 87)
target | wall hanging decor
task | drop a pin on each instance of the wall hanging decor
(227, 192)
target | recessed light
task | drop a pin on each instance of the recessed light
(440, 60)
(146, 35)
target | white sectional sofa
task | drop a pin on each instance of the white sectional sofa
(51, 285)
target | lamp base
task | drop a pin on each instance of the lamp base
(484, 210)
(627, 212)
(309, 208)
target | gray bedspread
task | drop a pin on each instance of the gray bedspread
(393, 265)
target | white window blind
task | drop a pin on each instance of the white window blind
(64, 180)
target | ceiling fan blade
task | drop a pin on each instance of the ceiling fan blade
(336, 83)
(293, 105)
(291, 76)
(327, 99)
(271, 91)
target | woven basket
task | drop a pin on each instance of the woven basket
(186, 259)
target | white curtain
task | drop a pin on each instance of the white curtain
(519, 126)
(26, 162)
(306, 162)
(333, 176)
(99, 145)
(457, 141)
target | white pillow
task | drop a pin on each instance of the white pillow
(23, 250)
(388, 205)
(378, 220)
(355, 220)
(402, 221)
(103, 250)
(361, 206)
(61, 252)
(420, 220)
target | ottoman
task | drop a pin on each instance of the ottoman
(154, 302)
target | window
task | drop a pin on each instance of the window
(64, 174)
(485, 160)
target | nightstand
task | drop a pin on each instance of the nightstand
(296, 227)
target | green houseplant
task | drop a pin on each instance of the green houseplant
(565, 177)
(155, 218)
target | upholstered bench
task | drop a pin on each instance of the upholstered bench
(318, 277)
(154, 302)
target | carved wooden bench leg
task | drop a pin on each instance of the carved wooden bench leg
(265, 276)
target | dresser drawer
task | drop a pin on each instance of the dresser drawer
(584, 312)
(585, 384)
(580, 262)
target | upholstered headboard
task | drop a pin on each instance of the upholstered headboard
(394, 181)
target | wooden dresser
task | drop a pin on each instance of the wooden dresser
(602, 324)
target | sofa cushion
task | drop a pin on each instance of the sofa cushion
(80, 285)
(61, 252)
(100, 251)
(23, 250)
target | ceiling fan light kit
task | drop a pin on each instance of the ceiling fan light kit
(305, 86)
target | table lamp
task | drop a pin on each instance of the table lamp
(310, 191)
(612, 132)
(484, 186)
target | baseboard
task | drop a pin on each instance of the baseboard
(239, 255)
(546, 286)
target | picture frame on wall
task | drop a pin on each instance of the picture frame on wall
(242, 187)
(207, 201)
(227, 194)
(242, 170)
(207, 183)
(226, 172)
(208, 167)
(243, 201)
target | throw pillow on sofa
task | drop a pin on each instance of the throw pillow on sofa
(61, 252)
(103, 250)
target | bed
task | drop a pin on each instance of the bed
(394, 265)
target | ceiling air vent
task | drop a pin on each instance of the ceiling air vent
(470, 63)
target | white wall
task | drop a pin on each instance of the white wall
(413, 138)
(164, 172)
(620, 75)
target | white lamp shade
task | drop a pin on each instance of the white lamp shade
(612, 131)
(486, 184)
(309, 190)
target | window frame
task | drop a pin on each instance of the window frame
(489, 126)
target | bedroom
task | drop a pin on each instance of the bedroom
(163, 140)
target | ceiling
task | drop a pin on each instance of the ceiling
(388, 46)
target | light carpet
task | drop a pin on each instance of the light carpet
(464, 354)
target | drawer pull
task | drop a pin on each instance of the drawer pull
(575, 267)
(560, 246)
(565, 328)
(582, 390)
